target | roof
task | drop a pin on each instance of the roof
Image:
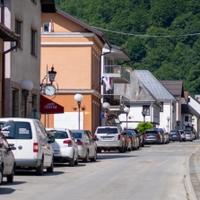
(115, 51)
(6, 34)
(153, 85)
(82, 24)
(175, 87)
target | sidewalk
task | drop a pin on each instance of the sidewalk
(194, 167)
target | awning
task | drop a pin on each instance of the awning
(47, 106)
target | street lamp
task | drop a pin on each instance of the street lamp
(78, 98)
(27, 86)
(47, 87)
(126, 110)
(106, 107)
(52, 75)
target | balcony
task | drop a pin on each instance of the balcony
(117, 102)
(119, 73)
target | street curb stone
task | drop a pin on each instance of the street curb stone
(194, 173)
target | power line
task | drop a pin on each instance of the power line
(146, 35)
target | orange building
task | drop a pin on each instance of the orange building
(74, 49)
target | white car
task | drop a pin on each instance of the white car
(65, 148)
(110, 137)
(32, 145)
(87, 148)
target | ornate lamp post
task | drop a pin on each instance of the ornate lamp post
(47, 87)
(78, 98)
(52, 75)
(126, 110)
(27, 86)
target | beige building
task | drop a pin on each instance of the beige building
(74, 49)
(21, 91)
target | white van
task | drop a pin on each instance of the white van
(32, 146)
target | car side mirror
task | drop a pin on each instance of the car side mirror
(51, 139)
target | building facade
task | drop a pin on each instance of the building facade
(22, 67)
(74, 49)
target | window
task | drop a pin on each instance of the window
(146, 110)
(15, 102)
(17, 129)
(161, 106)
(18, 30)
(186, 118)
(34, 42)
(47, 27)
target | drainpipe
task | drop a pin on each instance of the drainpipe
(3, 76)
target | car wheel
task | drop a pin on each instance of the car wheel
(86, 159)
(1, 175)
(98, 150)
(10, 177)
(76, 161)
(121, 149)
(40, 169)
(72, 162)
(94, 159)
(51, 168)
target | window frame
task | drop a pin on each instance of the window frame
(34, 45)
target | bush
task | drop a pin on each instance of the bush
(143, 126)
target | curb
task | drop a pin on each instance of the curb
(191, 179)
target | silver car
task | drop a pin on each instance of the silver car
(65, 148)
(7, 160)
(87, 148)
(109, 138)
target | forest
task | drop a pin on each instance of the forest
(158, 35)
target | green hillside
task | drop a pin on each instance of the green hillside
(161, 36)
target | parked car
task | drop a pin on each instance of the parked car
(110, 138)
(141, 137)
(189, 136)
(174, 135)
(132, 139)
(32, 145)
(153, 136)
(65, 148)
(7, 160)
(87, 147)
(182, 135)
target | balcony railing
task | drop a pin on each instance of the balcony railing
(119, 73)
(117, 102)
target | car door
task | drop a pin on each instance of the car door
(92, 148)
(87, 142)
(8, 160)
(46, 148)
(19, 134)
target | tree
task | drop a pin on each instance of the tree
(143, 126)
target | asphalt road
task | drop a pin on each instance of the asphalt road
(157, 172)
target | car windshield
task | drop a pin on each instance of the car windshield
(77, 135)
(152, 132)
(107, 130)
(16, 129)
(60, 135)
(173, 132)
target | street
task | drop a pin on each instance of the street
(154, 172)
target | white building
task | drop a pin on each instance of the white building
(149, 101)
